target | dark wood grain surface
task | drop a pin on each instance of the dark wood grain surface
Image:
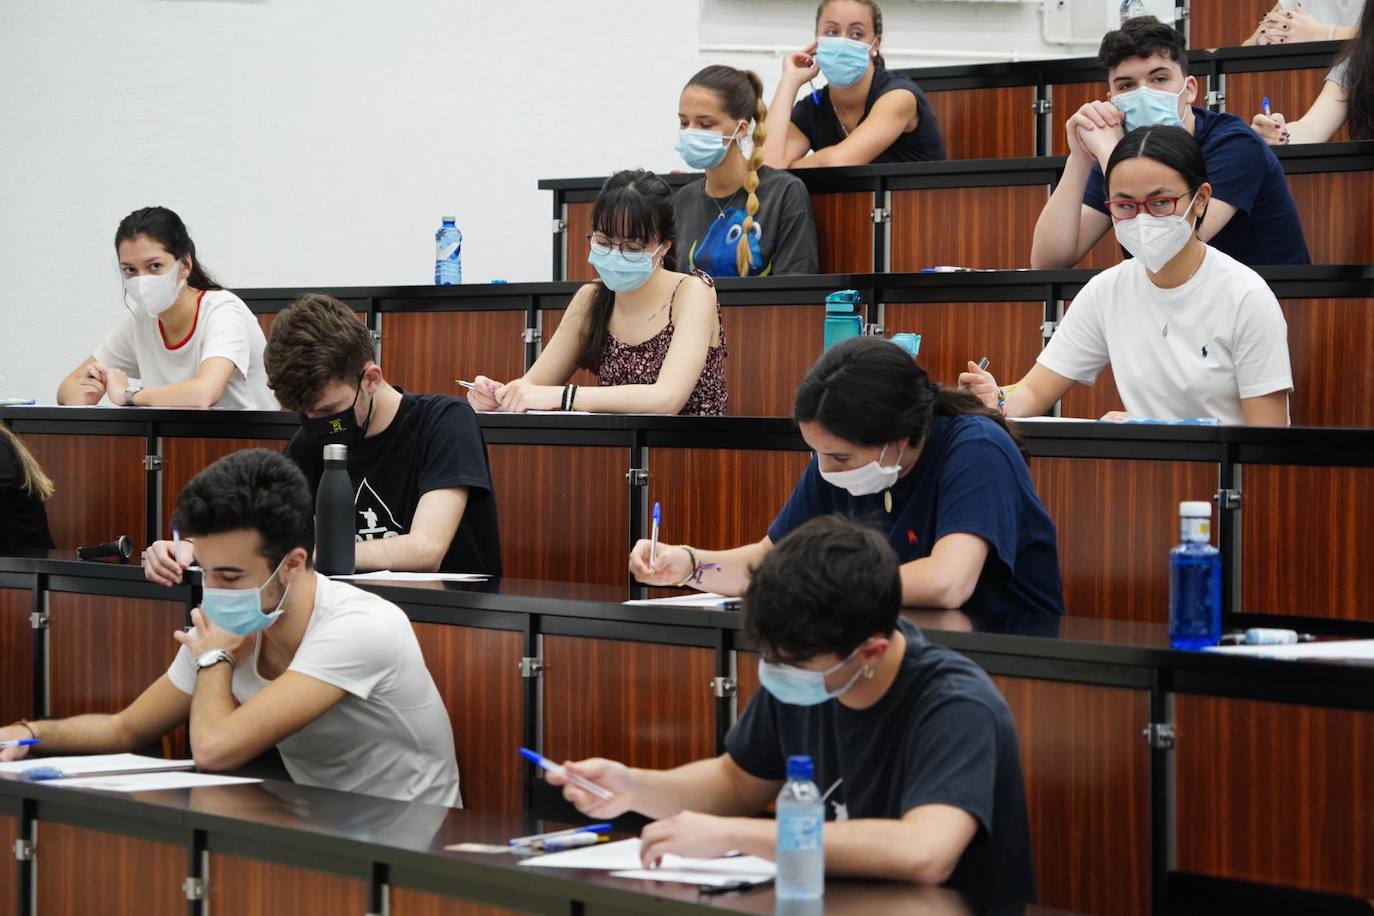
(986, 123)
(16, 656)
(1275, 794)
(948, 226)
(564, 511)
(478, 676)
(183, 459)
(1224, 23)
(721, 498)
(771, 348)
(1329, 342)
(1291, 92)
(953, 333)
(642, 704)
(101, 487)
(238, 885)
(575, 246)
(424, 352)
(9, 877)
(844, 231)
(1334, 209)
(82, 872)
(407, 902)
(1117, 520)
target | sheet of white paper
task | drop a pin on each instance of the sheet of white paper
(416, 576)
(96, 764)
(624, 856)
(711, 878)
(1053, 420)
(1359, 649)
(705, 599)
(151, 782)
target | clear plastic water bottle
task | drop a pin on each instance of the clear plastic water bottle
(842, 318)
(448, 254)
(1195, 581)
(801, 822)
(335, 532)
(1132, 8)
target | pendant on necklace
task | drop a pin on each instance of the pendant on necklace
(887, 501)
(1165, 332)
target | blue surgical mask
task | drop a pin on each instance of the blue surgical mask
(1147, 107)
(799, 687)
(239, 610)
(703, 149)
(619, 273)
(843, 61)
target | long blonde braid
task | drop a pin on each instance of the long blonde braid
(751, 178)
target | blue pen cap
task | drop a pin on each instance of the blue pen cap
(799, 766)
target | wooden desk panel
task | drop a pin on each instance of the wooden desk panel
(1329, 342)
(1224, 23)
(16, 657)
(1307, 541)
(9, 877)
(424, 352)
(844, 231)
(1291, 92)
(477, 673)
(406, 902)
(771, 349)
(575, 244)
(1333, 207)
(101, 487)
(952, 333)
(1087, 791)
(1116, 522)
(948, 226)
(183, 459)
(239, 885)
(565, 511)
(1275, 794)
(986, 123)
(642, 704)
(103, 652)
(84, 871)
(716, 499)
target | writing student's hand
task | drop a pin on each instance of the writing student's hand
(980, 383)
(483, 397)
(165, 561)
(1272, 128)
(673, 564)
(614, 777)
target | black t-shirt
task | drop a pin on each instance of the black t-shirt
(970, 479)
(1245, 173)
(433, 443)
(23, 520)
(941, 735)
(822, 126)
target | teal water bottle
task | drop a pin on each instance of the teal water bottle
(911, 343)
(842, 317)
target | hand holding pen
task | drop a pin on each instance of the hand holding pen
(614, 779)
(979, 382)
(1271, 126)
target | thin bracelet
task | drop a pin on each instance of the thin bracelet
(26, 725)
(696, 568)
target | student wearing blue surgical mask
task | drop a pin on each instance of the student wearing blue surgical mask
(933, 469)
(651, 335)
(185, 342)
(1252, 216)
(911, 745)
(866, 113)
(742, 218)
(280, 655)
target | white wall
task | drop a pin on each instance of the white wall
(317, 142)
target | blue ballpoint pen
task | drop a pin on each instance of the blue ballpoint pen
(653, 542)
(18, 742)
(545, 763)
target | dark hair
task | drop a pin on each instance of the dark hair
(826, 587)
(255, 490)
(1359, 78)
(637, 205)
(870, 391)
(166, 228)
(1143, 36)
(875, 10)
(314, 341)
(741, 95)
(1169, 146)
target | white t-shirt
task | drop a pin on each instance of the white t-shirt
(1226, 340)
(390, 735)
(1332, 12)
(223, 327)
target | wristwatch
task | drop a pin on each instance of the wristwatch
(212, 658)
(129, 395)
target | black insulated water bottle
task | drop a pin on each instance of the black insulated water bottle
(335, 539)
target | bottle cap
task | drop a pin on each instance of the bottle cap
(1195, 509)
(448, 219)
(800, 767)
(336, 453)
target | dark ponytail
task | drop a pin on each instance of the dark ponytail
(166, 228)
(870, 391)
(633, 205)
(1359, 78)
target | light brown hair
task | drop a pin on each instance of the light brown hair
(315, 341)
(873, 8)
(35, 481)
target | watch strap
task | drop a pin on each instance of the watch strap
(212, 658)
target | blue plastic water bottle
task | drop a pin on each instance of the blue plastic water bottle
(909, 342)
(448, 254)
(801, 821)
(1195, 581)
(842, 318)
(1130, 9)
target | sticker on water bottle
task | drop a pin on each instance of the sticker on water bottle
(800, 832)
(447, 251)
(1197, 529)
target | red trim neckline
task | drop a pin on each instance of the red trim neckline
(189, 334)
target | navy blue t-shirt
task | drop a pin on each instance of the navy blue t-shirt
(1245, 173)
(970, 479)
